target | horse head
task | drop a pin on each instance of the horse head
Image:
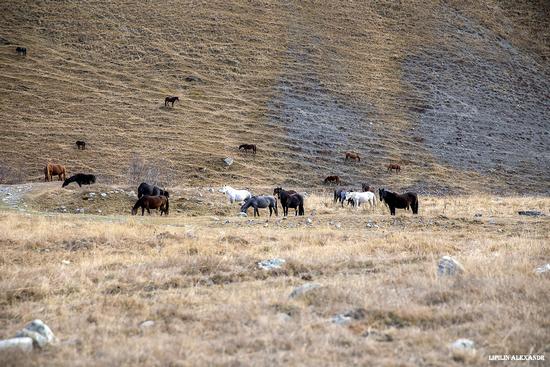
(134, 211)
(277, 191)
(381, 193)
(65, 183)
(223, 189)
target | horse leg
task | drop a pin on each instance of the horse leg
(392, 210)
(142, 211)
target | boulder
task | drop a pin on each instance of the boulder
(463, 344)
(449, 266)
(543, 269)
(23, 344)
(39, 332)
(271, 264)
(228, 161)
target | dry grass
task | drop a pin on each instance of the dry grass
(196, 278)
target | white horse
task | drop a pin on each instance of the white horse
(359, 198)
(235, 195)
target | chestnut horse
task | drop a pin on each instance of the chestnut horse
(354, 156)
(151, 202)
(170, 99)
(394, 166)
(246, 147)
(333, 179)
(54, 170)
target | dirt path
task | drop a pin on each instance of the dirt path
(12, 195)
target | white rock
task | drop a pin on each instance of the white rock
(24, 344)
(65, 262)
(103, 194)
(463, 344)
(39, 332)
(309, 221)
(340, 319)
(449, 266)
(271, 264)
(215, 219)
(303, 289)
(242, 214)
(542, 269)
(147, 324)
(228, 161)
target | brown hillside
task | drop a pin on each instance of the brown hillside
(455, 91)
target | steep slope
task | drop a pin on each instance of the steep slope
(457, 92)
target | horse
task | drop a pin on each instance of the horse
(80, 144)
(366, 187)
(80, 179)
(403, 201)
(332, 179)
(246, 147)
(151, 202)
(170, 99)
(235, 195)
(151, 190)
(359, 198)
(21, 51)
(394, 166)
(261, 202)
(354, 156)
(290, 199)
(340, 196)
(54, 170)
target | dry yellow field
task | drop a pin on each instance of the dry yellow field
(94, 279)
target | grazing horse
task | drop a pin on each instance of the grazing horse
(151, 202)
(404, 201)
(21, 51)
(246, 147)
(80, 179)
(333, 179)
(80, 144)
(354, 156)
(340, 196)
(170, 99)
(235, 195)
(54, 170)
(394, 166)
(290, 199)
(151, 190)
(366, 187)
(261, 202)
(359, 198)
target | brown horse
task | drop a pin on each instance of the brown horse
(394, 166)
(54, 170)
(151, 202)
(170, 99)
(333, 179)
(366, 187)
(246, 147)
(353, 156)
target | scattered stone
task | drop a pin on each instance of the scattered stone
(228, 161)
(103, 194)
(340, 319)
(303, 289)
(531, 213)
(216, 219)
(463, 344)
(91, 194)
(309, 221)
(543, 269)
(39, 332)
(477, 215)
(449, 266)
(131, 193)
(99, 211)
(79, 210)
(23, 344)
(271, 264)
(147, 324)
(242, 214)
(284, 316)
(65, 262)
(210, 190)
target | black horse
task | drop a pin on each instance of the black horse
(80, 144)
(151, 190)
(404, 201)
(80, 179)
(21, 51)
(290, 199)
(170, 99)
(261, 202)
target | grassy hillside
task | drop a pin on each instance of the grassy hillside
(455, 91)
